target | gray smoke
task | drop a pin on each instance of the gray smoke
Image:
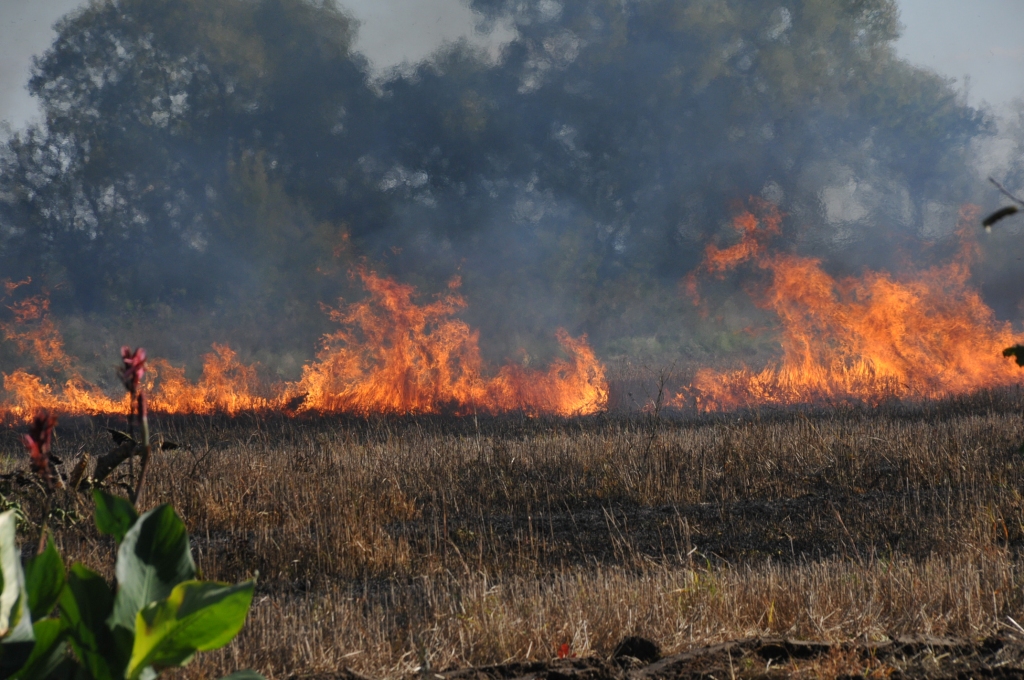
(237, 158)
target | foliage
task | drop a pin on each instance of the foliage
(158, 615)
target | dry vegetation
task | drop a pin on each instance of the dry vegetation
(391, 545)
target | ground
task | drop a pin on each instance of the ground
(921, 657)
(887, 539)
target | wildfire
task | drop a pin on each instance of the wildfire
(390, 355)
(857, 339)
(393, 356)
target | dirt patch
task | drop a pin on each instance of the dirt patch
(918, 657)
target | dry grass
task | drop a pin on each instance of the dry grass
(390, 545)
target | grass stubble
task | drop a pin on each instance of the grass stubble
(393, 546)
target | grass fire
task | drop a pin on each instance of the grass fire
(391, 356)
(591, 340)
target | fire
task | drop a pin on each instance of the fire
(390, 355)
(857, 339)
(394, 356)
(32, 330)
(226, 386)
(27, 393)
(34, 333)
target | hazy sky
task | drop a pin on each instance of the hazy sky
(979, 38)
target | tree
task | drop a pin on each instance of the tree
(587, 168)
(162, 120)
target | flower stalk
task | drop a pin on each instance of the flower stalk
(144, 423)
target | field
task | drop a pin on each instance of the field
(397, 546)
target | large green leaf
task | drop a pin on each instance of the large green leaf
(153, 558)
(44, 578)
(114, 515)
(196, 617)
(13, 585)
(48, 653)
(85, 605)
(16, 636)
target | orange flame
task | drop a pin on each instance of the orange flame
(226, 386)
(35, 334)
(32, 330)
(858, 339)
(390, 356)
(394, 356)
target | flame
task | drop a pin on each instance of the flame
(32, 330)
(226, 386)
(390, 355)
(857, 339)
(394, 356)
(27, 393)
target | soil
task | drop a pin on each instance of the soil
(918, 657)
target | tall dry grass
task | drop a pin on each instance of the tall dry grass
(395, 544)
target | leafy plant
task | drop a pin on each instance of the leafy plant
(75, 626)
(56, 625)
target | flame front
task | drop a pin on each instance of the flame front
(857, 339)
(393, 356)
(389, 356)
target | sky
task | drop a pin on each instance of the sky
(980, 39)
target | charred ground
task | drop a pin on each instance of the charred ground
(393, 545)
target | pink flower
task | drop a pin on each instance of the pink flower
(134, 367)
(38, 441)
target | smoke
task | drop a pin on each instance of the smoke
(218, 167)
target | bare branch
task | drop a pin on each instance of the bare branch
(1005, 192)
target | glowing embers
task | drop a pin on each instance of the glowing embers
(389, 356)
(856, 339)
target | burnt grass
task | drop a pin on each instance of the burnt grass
(890, 537)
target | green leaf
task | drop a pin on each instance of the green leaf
(16, 632)
(196, 617)
(48, 653)
(15, 650)
(44, 578)
(12, 588)
(153, 558)
(114, 515)
(85, 605)
(247, 674)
